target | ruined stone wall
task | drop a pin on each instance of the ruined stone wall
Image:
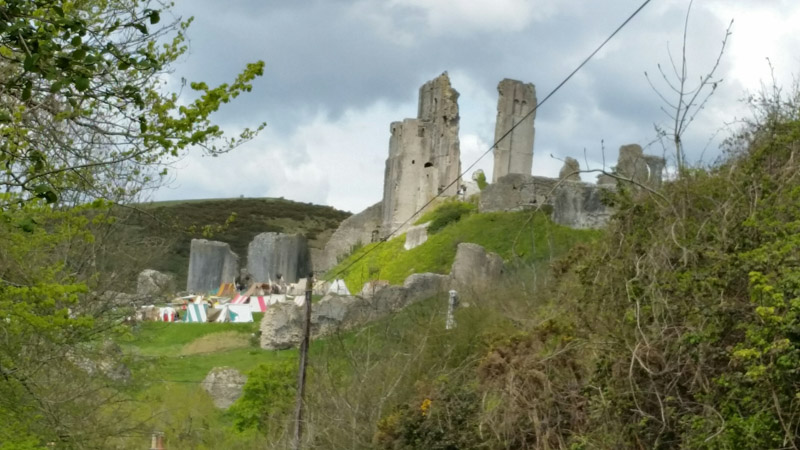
(273, 254)
(644, 169)
(358, 229)
(424, 155)
(573, 203)
(514, 153)
(474, 271)
(210, 264)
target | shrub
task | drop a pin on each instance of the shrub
(266, 399)
(445, 214)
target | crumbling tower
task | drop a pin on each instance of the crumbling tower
(424, 156)
(514, 153)
(633, 164)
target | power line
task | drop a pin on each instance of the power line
(510, 130)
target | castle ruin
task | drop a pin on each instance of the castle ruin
(515, 106)
(424, 156)
(424, 162)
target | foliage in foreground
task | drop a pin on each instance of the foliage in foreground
(85, 123)
(678, 328)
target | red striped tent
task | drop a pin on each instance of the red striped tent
(259, 303)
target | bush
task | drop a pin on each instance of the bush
(267, 398)
(445, 214)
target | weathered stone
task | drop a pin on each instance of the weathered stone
(580, 205)
(272, 254)
(570, 170)
(224, 385)
(643, 169)
(372, 287)
(416, 236)
(358, 229)
(154, 283)
(474, 268)
(211, 263)
(573, 204)
(315, 255)
(424, 156)
(281, 326)
(514, 152)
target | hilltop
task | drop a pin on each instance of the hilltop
(235, 221)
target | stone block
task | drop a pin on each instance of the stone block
(272, 254)
(154, 283)
(416, 236)
(210, 264)
(224, 385)
(475, 269)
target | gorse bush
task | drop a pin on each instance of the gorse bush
(696, 295)
(677, 327)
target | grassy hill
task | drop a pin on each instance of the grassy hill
(235, 221)
(521, 237)
(380, 361)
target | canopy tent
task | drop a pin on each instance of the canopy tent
(167, 314)
(259, 303)
(196, 312)
(239, 313)
(231, 313)
(226, 290)
(338, 287)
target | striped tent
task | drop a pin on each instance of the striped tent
(239, 299)
(196, 312)
(239, 313)
(259, 303)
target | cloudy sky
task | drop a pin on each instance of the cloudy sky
(338, 72)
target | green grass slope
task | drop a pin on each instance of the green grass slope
(518, 237)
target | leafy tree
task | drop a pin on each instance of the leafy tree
(85, 122)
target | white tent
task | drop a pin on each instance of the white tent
(234, 313)
(338, 288)
(239, 313)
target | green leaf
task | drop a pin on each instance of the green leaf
(45, 192)
(155, 17)
(30, 62)
(27, 90)
(27, 225)
(81, 83)
(141, 27)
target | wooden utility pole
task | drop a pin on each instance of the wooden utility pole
(301, 373)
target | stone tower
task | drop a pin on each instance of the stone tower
(514, 154)
(424, 156)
